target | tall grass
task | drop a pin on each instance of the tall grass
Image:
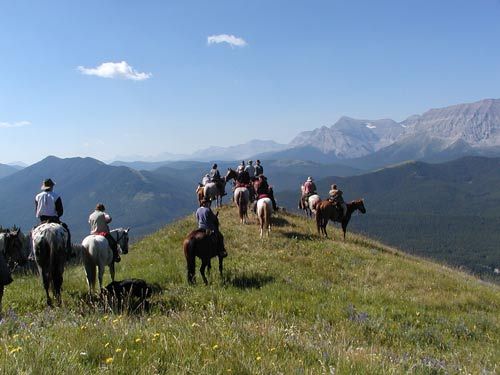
(292, 303)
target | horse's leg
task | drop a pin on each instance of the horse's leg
(112, 271)
(57, 281)
(221, 259)
(190, 260)
(344, 228)
(204, 264)
(1, 296)
(46, 285)
(100, 274)
(90, 274)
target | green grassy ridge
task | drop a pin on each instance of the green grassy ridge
(290, 303)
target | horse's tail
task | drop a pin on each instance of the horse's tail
(319, 217)
(188, 246)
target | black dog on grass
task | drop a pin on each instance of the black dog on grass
(130, 294)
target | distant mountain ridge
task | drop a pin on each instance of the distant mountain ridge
(437, 135)
(139, 199)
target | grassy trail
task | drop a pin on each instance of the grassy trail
(289, 304)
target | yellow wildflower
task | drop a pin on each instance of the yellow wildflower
(138, 340)
(106, 345)
(109, 360)
(215, 347)
(118, 350)
(15, 350)
(258, 358)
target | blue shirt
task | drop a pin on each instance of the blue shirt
(206, 219)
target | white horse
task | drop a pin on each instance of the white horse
(211, 192)
(49, 244)
(264, 212)
(241, 198)
(96, 252)
(309, 204)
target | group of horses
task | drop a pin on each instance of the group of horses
(325, 210)
(48, 243)
(242, 197)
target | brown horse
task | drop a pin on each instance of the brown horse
(11, 254)
(326, 210)
(205, 246)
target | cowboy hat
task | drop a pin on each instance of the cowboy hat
(309, 178)
(47, 184)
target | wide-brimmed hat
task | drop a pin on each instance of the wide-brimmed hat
(309, 179)
(249, 162)
(47, 184)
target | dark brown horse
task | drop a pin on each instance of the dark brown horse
(205, 246)
(326, 210)
(11, 254)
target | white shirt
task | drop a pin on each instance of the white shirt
(46, 203)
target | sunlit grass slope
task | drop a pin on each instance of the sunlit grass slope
(292, 304)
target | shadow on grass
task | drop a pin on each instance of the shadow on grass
(299, 236)
(252, 281)
(279, 221)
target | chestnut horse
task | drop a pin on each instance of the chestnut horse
(326, 210)
(205, 246)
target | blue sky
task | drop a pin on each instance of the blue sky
(299, 65)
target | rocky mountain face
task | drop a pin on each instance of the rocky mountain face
(458, 130)
(476, 124)
(349, 137)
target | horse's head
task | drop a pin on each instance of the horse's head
(122, 239)
(231, 173)
(360, 205)
(14, 248)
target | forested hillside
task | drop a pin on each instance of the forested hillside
(448, 211)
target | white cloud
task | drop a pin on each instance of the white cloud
(115, 70)
(232, 40)
(19, 124)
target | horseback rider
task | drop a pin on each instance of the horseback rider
(49, 208)
(99, 221)
(240, 167)
(209, 222)
(259, 170)
(215, 177)
(243, 179)
(263, 190)
(250, 169)
(335, 196)
(309, 188)
(205, 180)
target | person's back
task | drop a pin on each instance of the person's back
(309, 187)
(98, 221)
(250, 169)
(259, 170)
(206, 219)
(243, 178)
(240, 167)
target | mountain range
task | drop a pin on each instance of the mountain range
(437, 135)
(139, 199)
